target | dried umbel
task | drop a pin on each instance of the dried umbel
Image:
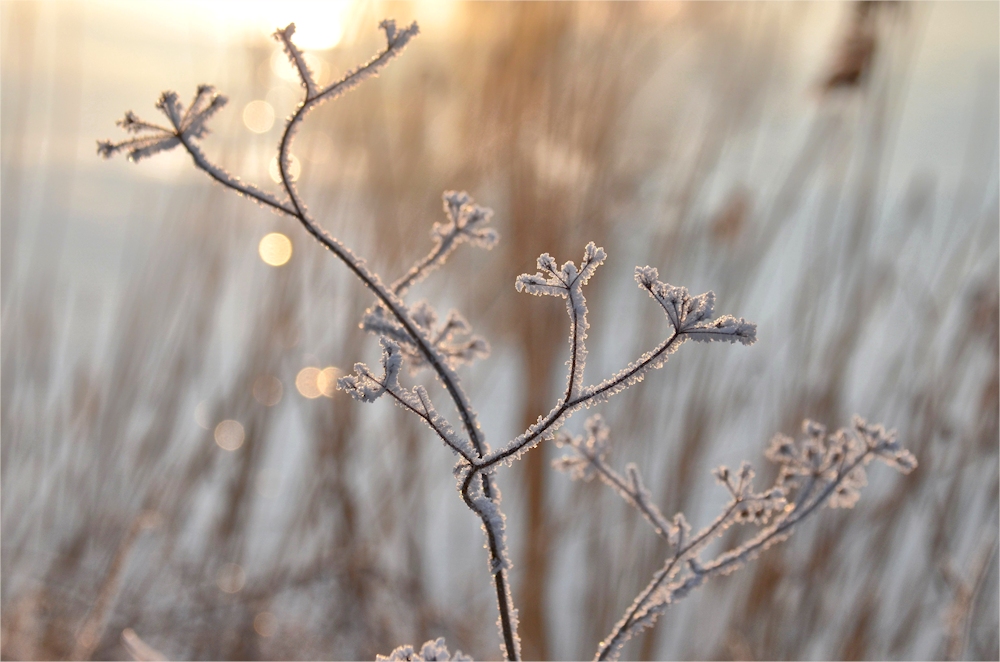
(816, 470)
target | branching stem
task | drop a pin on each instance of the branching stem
(295, 208)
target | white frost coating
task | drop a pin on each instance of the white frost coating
(591, 450)
(687, 314)
(297, 59)
(152, 138)
(434, 650)
(495, 521)
(452, 340)
(567, 283)
(438, 423)
(466, 223)
(186, 126)
(365, 386)
(691, 316)
(817, 470)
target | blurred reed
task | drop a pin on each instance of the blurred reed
(672, 134)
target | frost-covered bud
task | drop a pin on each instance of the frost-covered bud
(149, 139)
(903, 461)
(363, 385)
(679, 531)
(434, 650)
(699, 308)
(781, 450)
(597, 434)
(746, 473)
(171, 107)
(724, 476)
(813, 454)
(770, 502)
(813, 429)
(424, 315)
(844, 496)
(724, 329)
(547, 263)
(131, 122)
(453, 203)
(646, 276)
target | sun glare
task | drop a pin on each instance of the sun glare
(318, 24)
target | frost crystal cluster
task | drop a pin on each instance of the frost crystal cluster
(817, 470)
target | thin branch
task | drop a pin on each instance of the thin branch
(551, 422)
(838, 460)
(229, 181)
(395, 43)
(297, 59)
(632, 495)
(465, 223)
(622, 631)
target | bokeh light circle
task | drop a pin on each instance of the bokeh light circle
(229, 435)
(275, 249)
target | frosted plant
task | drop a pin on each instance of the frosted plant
(429, 652)
(820, 469)
(816, 470)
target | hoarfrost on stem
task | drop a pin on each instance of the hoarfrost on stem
(817, 470)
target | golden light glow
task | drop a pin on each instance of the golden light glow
(294, 169)
(283, 98)
(275, 249)
(305, 382)
(265, 624)
(326, 381)
(229, 435)
(267, 390)
(258, 116)
(231, 578)
(282, 67)
(434, 14)
(318, 24)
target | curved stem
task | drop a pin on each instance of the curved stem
(399, 310)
